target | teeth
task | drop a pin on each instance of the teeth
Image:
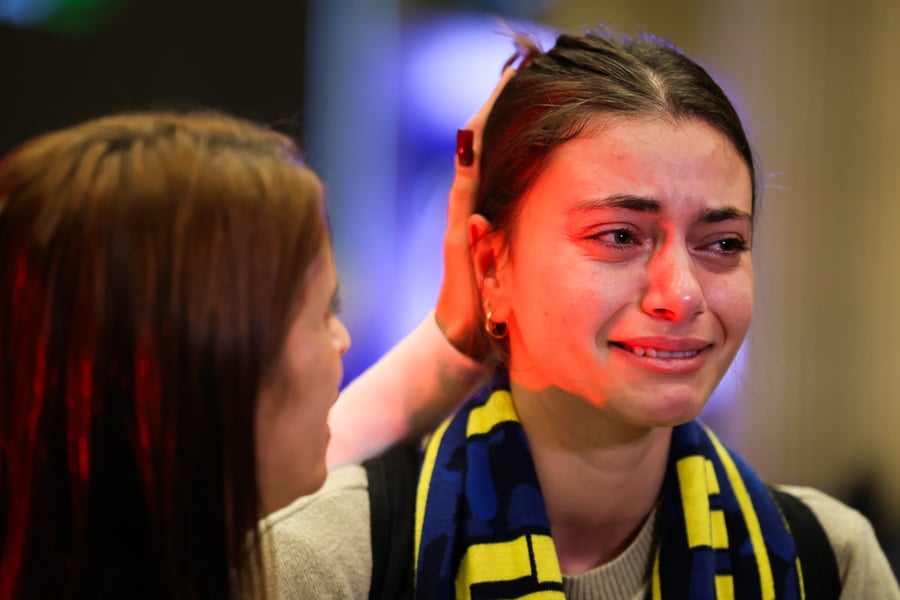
(654, 353)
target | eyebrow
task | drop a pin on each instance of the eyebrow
(655, 207)
(717, 215)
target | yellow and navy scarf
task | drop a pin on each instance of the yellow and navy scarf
(481, 528)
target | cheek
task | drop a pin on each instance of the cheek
(291, 448)
(291, 420)
(311, 360)
(571, 297)
(731, 299)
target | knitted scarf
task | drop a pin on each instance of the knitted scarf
(481, 528)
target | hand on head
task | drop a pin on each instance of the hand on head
(457, 311)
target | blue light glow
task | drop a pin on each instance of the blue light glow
(451, 64)
(448, 66)
(724, 404)
(25, 13)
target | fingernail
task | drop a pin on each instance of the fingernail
(465, 154)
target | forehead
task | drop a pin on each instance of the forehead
(680, 164)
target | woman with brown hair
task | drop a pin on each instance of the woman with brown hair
(169, 353)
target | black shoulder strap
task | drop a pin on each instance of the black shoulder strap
(393, 477)
(820, 569)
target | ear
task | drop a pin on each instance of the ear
(490, 260)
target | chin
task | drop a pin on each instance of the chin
(670, 411)
(315, 479)
(681, 417)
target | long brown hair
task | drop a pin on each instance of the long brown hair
(149, 265)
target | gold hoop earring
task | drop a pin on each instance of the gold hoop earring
(498, 331)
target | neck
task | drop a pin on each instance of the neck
(600, 477)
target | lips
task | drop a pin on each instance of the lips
(667, 349)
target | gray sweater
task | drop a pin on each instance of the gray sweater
(319, 547)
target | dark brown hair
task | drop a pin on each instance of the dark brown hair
(149, 267)
(555, 94)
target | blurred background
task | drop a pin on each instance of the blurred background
(374, 90)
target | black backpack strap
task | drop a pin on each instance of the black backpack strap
(820, 569)
(393, 477)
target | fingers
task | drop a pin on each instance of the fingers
(457, 311)
(468, 152)
(476, 123)
(468, 139)
(465, 148)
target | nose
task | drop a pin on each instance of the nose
(673, 291)
(340, 334)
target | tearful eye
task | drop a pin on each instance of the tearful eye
(617, 242)
(617, 237)
(731, 245)
(622, 237)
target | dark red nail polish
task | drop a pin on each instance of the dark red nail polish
(465, 153)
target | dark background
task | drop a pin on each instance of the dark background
(243, 57)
